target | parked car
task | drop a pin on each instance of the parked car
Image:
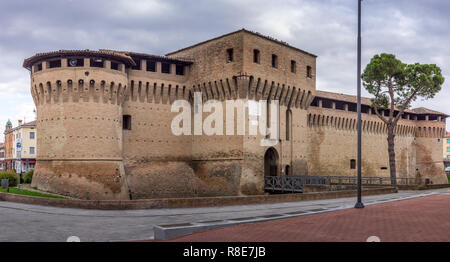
(447, 169)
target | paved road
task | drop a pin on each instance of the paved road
(424, 219)
(21, 222)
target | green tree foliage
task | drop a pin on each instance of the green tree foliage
(394, 86)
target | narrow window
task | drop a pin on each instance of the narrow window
(151, 66)
(230, 55)
(31, 135)
(179, 70)
(309, 72)
(32, 150)
(96, 62)
(275, 61)
(165, 68)
(384, 168)
(54, 63)
(287, 170)
(293, 67)
(256, 55)
(288, 124)
(38, 67)
(75, 62)
(137, 66)
(114, 66)
(126, 122)
(353, 164)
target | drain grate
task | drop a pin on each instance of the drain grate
(296, 213)
(242, 219)
(177, 225)
(270, 216)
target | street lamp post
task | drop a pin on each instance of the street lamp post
(359, 203)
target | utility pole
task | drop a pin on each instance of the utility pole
(359, 203)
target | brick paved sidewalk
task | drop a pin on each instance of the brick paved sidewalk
(421, 219)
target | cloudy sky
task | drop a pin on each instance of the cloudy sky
(413, 30)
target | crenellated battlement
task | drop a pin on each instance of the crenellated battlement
(69, 90)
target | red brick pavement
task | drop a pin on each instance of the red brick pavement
(422, 219)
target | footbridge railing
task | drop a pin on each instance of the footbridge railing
(294, 184)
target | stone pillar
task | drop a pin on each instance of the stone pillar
(144, 65)
(320, 103)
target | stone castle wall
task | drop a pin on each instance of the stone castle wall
(85, 152)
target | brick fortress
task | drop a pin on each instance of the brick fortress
(104, 123)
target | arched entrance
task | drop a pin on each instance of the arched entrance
(271, 162)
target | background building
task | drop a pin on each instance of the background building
(446, 149)
(25, 132)
(2, 157)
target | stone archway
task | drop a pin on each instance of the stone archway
(271, 162)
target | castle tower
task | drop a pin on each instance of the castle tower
(78, 97)
(8, 125)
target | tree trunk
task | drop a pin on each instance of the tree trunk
(391, 150)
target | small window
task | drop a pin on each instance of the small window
(448, 141)
(151, 66)
(96, 62)
(38, 67)
(275, 61)
(448, 149)
(309, 72)
(353, 164)
(137, 66)
(126, 122)
(256, 56)
(180, 70)
(384, 168)
(293, 67)
(114, 66)
(54, 63)
(288, 124)
(287, 170)
(32, 150)
(230, 55)
(31, 135)
(165, 68)
(75, 62)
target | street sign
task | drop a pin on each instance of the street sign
(18, 167)
(19, 144)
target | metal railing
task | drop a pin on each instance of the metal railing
(294, 184)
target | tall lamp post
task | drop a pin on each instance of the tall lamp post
(359, 203)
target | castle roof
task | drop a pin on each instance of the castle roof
(176, 60)
(8, 123)
(246, 31)
(64, 53)
(123, 56)
(368, 102)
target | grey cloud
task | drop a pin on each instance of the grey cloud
(414, 30)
